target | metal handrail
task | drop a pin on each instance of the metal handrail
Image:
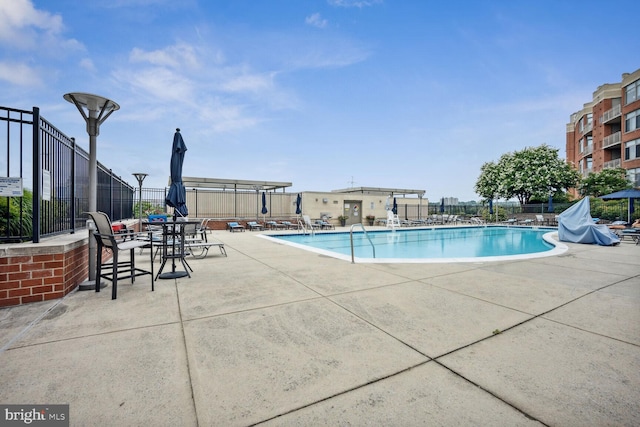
(366, 235)
(301, 226)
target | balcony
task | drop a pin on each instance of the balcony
(612, 140)
(588, 128)
(611, 115)
(588, 150)
(612, 164)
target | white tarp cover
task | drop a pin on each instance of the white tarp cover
(576, 225)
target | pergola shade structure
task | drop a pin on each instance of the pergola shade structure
(234, 184)
(239, 203)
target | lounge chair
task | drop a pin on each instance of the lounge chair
(201, 249)
(234, 226)
(476, 221)
(630, 233)
(539, 219)
(324, 225)
(253, 225)
(274, 225)
(289, 225)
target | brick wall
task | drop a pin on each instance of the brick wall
(43, 271)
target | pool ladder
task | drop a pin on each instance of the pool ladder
(366, 235)
(303, 228)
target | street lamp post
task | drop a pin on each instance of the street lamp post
(140, 177)
(99, 109)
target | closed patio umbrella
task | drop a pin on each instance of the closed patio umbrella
(299, 204)
(264, 205)
(177, 195)
(550, 209)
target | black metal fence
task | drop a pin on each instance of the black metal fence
(55, 173)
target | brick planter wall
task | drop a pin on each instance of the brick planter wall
(43, 271)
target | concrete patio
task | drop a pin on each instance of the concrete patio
(274, 335)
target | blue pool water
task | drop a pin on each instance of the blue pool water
(433, 244)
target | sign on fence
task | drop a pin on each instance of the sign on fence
(10, 187)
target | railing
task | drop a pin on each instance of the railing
(611, 114)
(612, 164)
(303, 227)
(611, 140)
(587, 128)
(54, 173)
(366, 235)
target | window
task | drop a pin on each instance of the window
(632, 91)
(633, 176)
(581, 145)
(632, 121)
(589, 118)
(632, 149)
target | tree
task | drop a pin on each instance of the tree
(534, 172)
(604, 182)
(487, 185)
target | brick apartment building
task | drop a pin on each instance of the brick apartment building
(606, 132)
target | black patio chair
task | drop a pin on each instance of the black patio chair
(115, 243)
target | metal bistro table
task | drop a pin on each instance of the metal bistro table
(173, 236)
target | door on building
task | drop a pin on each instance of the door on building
(353, 209)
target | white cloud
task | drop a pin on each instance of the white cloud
(87, 64)
(316, 20)
(22, 26)
(175, 56)
(19, 74)
(248, 83)
(158, 83)
(354, 3)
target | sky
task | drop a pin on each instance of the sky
(325, 94)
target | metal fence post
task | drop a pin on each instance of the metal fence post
(36, 176)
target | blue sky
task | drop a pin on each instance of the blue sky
(326, 94)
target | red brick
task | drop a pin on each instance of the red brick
(20, 276)
(53, 280)
(43, 258)
(9, 268)
(19, 292)
(6, 302)
(32, 266)
(32, 298)
(14, 284)
(41, 289)
(41, 273)
(31, 282)
(53, 295)
(19, 259)
(54, 264)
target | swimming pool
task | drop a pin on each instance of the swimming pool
(437, 244)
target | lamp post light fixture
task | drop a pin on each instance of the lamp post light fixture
(99, 109)
(140, 177)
